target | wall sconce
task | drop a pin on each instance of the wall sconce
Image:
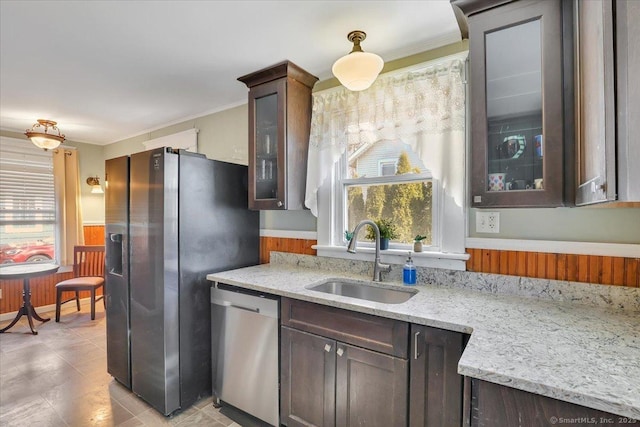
(45, 134)
(357, 70)
(94, 182)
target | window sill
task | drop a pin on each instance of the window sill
(451, 261)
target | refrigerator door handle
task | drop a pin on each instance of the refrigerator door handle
(229, 304)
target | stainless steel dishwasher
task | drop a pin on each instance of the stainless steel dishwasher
(244, 339)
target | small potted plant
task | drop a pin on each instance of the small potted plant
(417, 243)
(387, 232)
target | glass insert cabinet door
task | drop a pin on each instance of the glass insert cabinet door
(267, 111)
(266, 149)
(516, 105)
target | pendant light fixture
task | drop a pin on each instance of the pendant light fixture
(45, 134)
(357, 70)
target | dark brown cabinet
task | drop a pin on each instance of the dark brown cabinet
(521, 97)
(326, 381)
(436, 388)
(279, 125)
(607, 98)
(497, 405)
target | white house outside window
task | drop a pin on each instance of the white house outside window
(394, 151)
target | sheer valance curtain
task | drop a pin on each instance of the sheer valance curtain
(424, 107)
(66, 181)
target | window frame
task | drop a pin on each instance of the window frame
(341, 206)
(331, 241)
(451, 186)
(387, 161)
(34, 216)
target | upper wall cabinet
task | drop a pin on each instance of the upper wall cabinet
(520, 146)
(608, 101)
(279, 125)
(595, 102)
(627, 36)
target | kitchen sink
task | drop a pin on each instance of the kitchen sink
(364, 291)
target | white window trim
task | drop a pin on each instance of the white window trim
(453, 218)
(386, 162)
(331, 235)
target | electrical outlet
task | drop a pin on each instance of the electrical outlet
(487, 222)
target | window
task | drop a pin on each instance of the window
(395, 151)
(387, 167)
(405, 195)
(27, 203)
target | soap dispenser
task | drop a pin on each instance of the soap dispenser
(409, 272)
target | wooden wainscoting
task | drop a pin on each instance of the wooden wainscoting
(43, 290)
(281, 244)
(603, 270)
(93, 234)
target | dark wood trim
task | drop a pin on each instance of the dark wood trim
(376, 333)
(371, 388)
(436, 388)
(470, 7)
(307, 379)
(278, 71)
(498, 405)
(552, 109)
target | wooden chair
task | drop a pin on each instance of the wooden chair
(88, 271)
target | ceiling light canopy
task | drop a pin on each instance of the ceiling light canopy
(45, 134)
(357, 70)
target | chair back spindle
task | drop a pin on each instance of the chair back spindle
(88, 261)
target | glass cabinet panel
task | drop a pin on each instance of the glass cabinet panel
(515, 149)
(266, 150)
(520, 147)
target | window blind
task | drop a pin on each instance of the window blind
(26, 185)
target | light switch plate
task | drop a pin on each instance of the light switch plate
(487, 222)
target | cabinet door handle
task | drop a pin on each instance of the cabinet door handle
(327, 348)
(340, 352)
(415, 345)
(279, 203)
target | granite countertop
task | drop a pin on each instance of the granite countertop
(578, 353)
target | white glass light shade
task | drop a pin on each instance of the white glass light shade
(97, 189)
(45, 142)
(41, 136)
(358, 70)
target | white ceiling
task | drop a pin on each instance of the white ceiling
(108, 70)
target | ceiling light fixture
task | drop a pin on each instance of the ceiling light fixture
(40, 134)
(357, 70)
(94, 182)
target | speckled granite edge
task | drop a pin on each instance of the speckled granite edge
(605, 296)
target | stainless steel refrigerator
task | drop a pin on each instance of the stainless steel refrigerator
(187, 217)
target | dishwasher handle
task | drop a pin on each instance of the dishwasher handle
(230, 304)
(261, 304)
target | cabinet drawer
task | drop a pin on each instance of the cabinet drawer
(363, 330)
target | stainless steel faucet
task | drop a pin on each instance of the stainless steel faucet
(378, 267)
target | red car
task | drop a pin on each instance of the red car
(28, 252)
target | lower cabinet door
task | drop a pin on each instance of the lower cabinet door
(371, 388)
(498, 405)
(436, 388)
(308, 378)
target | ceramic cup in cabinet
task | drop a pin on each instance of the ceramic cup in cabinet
(496, 181)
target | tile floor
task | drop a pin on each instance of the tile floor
(59, 378)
